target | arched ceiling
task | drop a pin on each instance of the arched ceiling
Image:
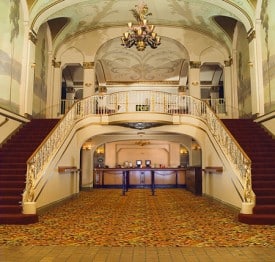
(68, 19)
(85, 15)
(165, 64)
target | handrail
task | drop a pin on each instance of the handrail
(234, 151)
(135, 101)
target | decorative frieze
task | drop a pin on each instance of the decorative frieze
(88, 65)
(195, 64)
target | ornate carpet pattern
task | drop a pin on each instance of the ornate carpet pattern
(173, 217)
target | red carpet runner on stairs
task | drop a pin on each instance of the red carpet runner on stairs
(260, 147)
(13, 157)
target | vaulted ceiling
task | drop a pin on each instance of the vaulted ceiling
(68, 19)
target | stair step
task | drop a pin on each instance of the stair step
(12, 184)
(10, 191)
(263, 184)
(14, 165)
(10, 200)
(260, 147)
(264, 191)
(14, 154)
(265, 200)
(13, 177)
(18, 219)
(10, 209)
(263, 170)
(257, 219)
(12, 171)
(264, 209)
(263, 177)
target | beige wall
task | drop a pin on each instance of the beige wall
(159, 152)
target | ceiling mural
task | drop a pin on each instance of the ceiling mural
(128, 65)
(69, 19)
(89, 15)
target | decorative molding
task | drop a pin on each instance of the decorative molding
(195, 64)
(142, 83)
(228, 62)
(33, 37)
(251, 35)
(88, 65)
(56, 64)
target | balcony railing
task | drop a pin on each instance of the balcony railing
(139, 101)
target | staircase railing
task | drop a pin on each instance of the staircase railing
(136, 101)
(234, 152)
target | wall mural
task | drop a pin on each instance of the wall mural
(243, 84)
(40, 86)
(268, 44)
(10, 54)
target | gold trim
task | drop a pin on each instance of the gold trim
(195, 64)
(88, 65)
(144, 83)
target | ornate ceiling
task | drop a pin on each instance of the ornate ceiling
(71, 18)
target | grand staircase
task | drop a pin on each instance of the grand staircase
(13, 157)
(260, 147)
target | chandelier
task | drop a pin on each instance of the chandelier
(140, 35)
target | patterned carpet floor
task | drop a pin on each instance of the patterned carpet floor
(173, 217)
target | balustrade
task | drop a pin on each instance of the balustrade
(139, 101)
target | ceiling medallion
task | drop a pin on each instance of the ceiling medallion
(140, 125)
(140, 35)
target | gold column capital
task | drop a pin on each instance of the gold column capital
(56, 64)
(195, 64)
(88, 65)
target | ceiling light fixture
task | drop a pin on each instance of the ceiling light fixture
(142, 34)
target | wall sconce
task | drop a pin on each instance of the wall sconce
(196, 147)
(100, 150)
(195, 83)
(33, 65)
(250, 64)
(88, 84)
(87, 146)
(183, 151)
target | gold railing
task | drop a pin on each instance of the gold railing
(136, 101)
